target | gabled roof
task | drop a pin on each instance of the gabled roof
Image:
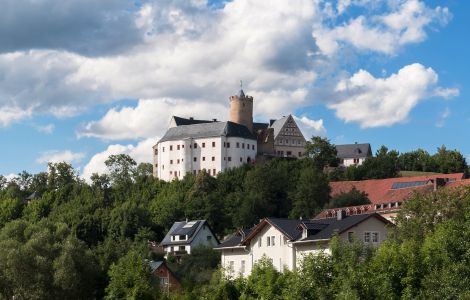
(278, 124)
(154, 265)
(189, 228)
(317, 229)
(183, 121)
(354, 151)
(205, 130)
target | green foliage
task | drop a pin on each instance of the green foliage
(130, 278)
(351, 198)
(322, 152)
(10, 209)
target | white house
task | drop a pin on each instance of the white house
(184, 236)
(353, 154)
(286, 241)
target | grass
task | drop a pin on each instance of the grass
(415, 173)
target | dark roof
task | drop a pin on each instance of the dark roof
(354, 151)
(190, 228)
(260, 126)
(33, 196)
(318, 229)
(214, 129)
(183, 121)
(154, 265)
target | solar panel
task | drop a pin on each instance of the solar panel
(189, 224)
(403, 185)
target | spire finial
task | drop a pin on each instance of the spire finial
(241, 85)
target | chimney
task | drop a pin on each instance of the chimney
(340, 214)
(439, 182)
(214, 120)
(187, 220)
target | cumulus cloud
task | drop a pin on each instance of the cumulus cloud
(47, 129)
(374, 102)
(141, 153)
(310, 127)
(88, 27)
(91, 52)
(149, 118)
(55, 156)
(10, 114)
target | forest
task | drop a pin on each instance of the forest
(89, 239)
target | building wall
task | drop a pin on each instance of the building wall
(290, 141)
(350, 162)
(201, 239)
(212, 154)
(232, 259)
(241, 111)
(304, 249)
(169, 282)
(370, 225)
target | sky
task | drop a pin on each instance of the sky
(83, 79)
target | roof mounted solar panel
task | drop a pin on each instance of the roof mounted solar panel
(190, 224)
(404, 185)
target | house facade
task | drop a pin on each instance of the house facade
(353, 154)
(190, 145)
(166, 280)
(286, 242)
(184, 236)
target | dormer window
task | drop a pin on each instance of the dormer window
(182, 237)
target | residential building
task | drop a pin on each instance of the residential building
(286, 242)
(166, 280)
(387, 195)
(353, 154)
(190, 145)
(184, 236)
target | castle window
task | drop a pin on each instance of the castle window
(195, 159)
(194, 172)
(178, 147)
(224, 144)
(229, 158)
(163, 167)
(163, 149)
(213, 158)
(243, 145)
(214, 172)
(171, 148)
(300, 154)
(182, 146)
(156, 165)
(241, 159)
(203, 158)
(228, 145)
(177, 161)
(252, 147)
(171, 172)
(213, 144)
(156, 151)
(203, 145)
(209, 171)
(171, 162)
(238, 145)
(195, 145)
(356, 160)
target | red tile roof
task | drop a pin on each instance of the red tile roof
(379, 190)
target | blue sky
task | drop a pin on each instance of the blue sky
(104, 77)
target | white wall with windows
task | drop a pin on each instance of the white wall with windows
(173, 159)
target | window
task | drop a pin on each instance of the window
(241, 159)
(228, 145)
(171, 148)
(163, 280)
(214, 172)
(194, 172)
(238, 145)
(242, 267)
(171, 161)
(268, 241)
(195, 145)
(229, 158)
(350, 236)
(367, 237)
(178, 147)
(231, 265)
(252, 147)
(300, 154)
(273, 241)
(181, 248)
(156, 151)
(213, 158)
(356, 160)
(224, 145)
(289, 153)
(375, 237)
(182, 237)
(163, 149)
(177, 161)
(209, 172)
(171, 172)
(243, 145)
(209, 237)
(163, 167)
(203, 158)
(203, 145)
(285, 240)
(213, 144)
(195, 159)
(260, 242)
(156, 165)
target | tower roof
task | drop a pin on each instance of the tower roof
(242, 94)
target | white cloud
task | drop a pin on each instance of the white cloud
(47, 129)
(141, 153)
(10, 115)
(443, 117)
(310, 127)
(374, 102)
(56, 156)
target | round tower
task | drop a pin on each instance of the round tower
(241, 110)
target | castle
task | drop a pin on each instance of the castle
(190, 145)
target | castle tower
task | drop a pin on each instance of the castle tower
(241, 110)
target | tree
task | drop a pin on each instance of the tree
(10, 209)
(383, 165)
(130, 278)
(352, 198)
(449, 161)
(322, 152)
(313, 192)
(121, 169)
